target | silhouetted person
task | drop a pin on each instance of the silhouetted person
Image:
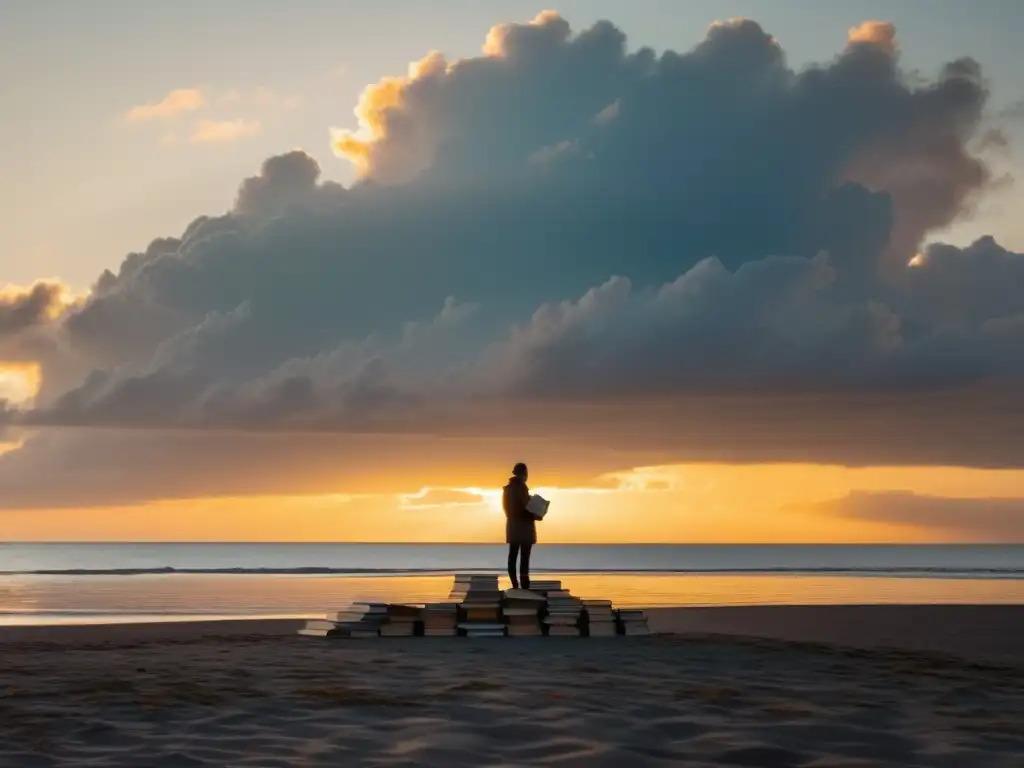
(520, 526)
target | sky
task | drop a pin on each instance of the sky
(745, 271)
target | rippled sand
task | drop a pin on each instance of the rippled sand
(240, 694)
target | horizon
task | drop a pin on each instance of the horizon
(879, 544)
(722, 274)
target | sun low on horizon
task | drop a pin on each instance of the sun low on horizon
(715, 276)
(700, 504)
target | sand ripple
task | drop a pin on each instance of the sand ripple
(259, 702)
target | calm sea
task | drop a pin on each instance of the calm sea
(75, 583)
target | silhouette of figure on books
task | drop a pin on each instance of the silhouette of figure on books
(520, 526)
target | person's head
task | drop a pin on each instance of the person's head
(520, 471)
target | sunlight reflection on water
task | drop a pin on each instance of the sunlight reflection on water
(101, 599)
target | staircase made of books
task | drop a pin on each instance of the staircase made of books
(477, 608)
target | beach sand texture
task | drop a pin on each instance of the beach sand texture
(253, 694)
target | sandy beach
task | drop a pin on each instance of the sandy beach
(765, 687)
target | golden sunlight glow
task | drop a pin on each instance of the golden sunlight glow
(20, 382)
(375, 102)
(686, 504)
(59, 297)
(919, 260)
(491, 497)
(428, 497)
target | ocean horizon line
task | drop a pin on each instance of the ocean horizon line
(906, 571)
(846, 544)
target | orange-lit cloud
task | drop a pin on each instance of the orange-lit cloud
(878, 33)
(22, 307)
(223, 131)
(549, 23)
(441, 497)
(395, 150)
(374, 110)
(738, 25)
(174, 103)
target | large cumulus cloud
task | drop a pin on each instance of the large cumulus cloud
(724, 146)
(563, 230)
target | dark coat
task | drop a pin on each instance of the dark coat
(520, 525)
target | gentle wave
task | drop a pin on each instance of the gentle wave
(1013, 573)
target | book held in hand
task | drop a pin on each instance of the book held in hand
(538, 506)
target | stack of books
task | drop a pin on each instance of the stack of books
(441, 620)
(599, 618)
(479, 602)
(563, 619)
(323, 628)
(475, 587)
(632, 622)
(358, 620)
(522, 609)
(402, 620)
(545, 586)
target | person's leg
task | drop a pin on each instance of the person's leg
(524, 566)
(513, 553)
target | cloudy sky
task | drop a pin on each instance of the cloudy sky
(718, 271)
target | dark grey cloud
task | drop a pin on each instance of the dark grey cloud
(202, 377)
(564, 230)
(25, 308)
(118, 467)
(287, 183)
(779, 326)
(566, 444)
(783, 325)
(965, 287)
(983, 520)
